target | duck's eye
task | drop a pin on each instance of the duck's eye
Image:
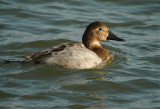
(100, 29)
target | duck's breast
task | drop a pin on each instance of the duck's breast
(75, 55)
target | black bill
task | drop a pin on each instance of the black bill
(114, 37)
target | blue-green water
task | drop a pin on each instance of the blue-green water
(131, 81)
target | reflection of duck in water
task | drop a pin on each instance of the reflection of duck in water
(87, 54)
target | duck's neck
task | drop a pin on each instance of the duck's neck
(98, 49)
(93, 44)
(101, 52)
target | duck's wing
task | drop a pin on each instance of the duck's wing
(43, 53)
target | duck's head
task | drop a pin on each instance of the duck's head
(97, 32)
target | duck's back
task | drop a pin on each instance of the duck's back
(72, 55)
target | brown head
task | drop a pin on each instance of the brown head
(97, 32)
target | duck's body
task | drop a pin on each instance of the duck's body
(87, 54)
(71, 55)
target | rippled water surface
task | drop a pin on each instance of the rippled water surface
(131, 81)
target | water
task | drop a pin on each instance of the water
(132, 81)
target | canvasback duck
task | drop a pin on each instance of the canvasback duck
(85, 55)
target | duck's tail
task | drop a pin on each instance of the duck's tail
(27, 57)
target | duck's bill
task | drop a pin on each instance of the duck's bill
(114, 37)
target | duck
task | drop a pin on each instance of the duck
(79, 55)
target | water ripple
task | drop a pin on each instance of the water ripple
(132, 78)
